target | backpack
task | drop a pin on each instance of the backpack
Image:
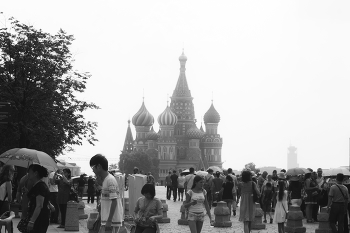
(206, 184)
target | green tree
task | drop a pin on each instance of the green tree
(113, 166)
(38, 79)
(251, 166)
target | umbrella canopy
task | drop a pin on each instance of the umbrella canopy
(201, 173)
(335, 171)
(215, 169)
(185, 172)
(24, 157)
(297, 171)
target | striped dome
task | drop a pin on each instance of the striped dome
(152, 135)
(167, 117)
(194, 132)
(143, 117)
(212, 116)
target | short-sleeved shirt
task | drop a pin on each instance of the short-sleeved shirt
(336, 193)
(189, 180)
(63, 191)
(200, 198)
(217, 184)
(41, 189)
(110, 191)
(295, 188)
(152, 209)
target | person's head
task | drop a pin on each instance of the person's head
(274, 172)
(307, 175)
(99, 164)
(191, 170)
(210, 171)
(229, 171)
(264, 174)
(7, 172)
(280, 189)
(149, 173)
(246, 176)
(314, 175)
(283, 170)
(319, 172)
(169, 172)
(229, 179)
(340, 177)
(81, 176)
(37, 172)
(217, 174)
(174, 171)
(67, 173)
(268, 186)
(136, 170)
(148, 191)
(269, 177)
(198, 182)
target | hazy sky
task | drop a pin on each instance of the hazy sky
(279, 70)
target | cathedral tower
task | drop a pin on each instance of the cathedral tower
(143, 120)
(129, 140)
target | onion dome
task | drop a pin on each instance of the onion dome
(152, 135)
(167, 117)
(194, 132)
(183, 57)
(211, 116)
(143, 117)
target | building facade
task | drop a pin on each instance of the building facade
(179, 144)
(292, 157)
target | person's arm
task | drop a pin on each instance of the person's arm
(159, 215)
(111, 212)
(256, 189)
(207, 206)
(137, 208)
(9, 191)
(188, 201)
(38, 207)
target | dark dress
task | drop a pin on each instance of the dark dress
(42, 222)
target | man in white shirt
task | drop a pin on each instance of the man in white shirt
(189, 179)
(111, 205)
(53, 197)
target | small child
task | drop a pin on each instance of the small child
(267, 201)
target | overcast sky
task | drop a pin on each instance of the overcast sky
(279, 70)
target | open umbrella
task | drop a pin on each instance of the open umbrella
(185, 172)
(335, 171)
(297, 171)
(201, 173)
(215, 169)
(24, 157)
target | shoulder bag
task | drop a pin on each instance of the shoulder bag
(143, 222)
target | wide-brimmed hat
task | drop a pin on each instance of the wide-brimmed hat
(294, 178)
(281, 176)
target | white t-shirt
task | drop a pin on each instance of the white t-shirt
(52, 187)
(110, 191)
(189, 179)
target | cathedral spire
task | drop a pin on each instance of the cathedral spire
(128, 143)
(182, 89)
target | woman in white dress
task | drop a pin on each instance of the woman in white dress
(281, 206)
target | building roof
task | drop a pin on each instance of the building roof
(143, 117)
(181, 89)
(167, 117)
(211, 116)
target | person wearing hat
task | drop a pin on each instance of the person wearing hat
(294, 190)
(311, 190)
(216, 187)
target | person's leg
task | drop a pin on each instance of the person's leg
(193, 226)
(199, 225)
(346, 222)
(234, 204)
(175, 193)
(92, 198)
(178, 194)
(246, 227)
(88, 197)
(229, 204)
(308, 212)
(315, 209)
(63, 209)
(209, 199)
(341, 219)
(265, 221)
(250, 226)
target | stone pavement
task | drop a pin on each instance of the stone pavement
(174, 214)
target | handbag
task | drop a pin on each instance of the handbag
(255, 194)
(22, 225)
(143, 221)
(73, 195)
(314, 193)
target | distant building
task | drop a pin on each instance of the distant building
(269, 169)
(179, 144)
(292, 157)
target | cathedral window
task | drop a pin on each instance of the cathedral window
(216, 140)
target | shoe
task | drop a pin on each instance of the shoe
(60, 226)
(265, 221)
(271, 220)
(182, 199)
(179, 199)
(175, 200)
(234, 213)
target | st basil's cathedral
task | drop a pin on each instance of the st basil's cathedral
(179, 144)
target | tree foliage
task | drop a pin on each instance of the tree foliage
(38, 79)
(113, 166)
(143, 161)
(251, 166)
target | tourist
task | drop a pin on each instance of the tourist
(173, 178)
(150, 179)
(147, 210)
(168, 186)
(266, 201)
(53, 197)
(136, 170)
(91, 190)
(98, 188)
(6, 177)
(227, 193)
(337, 204)
(216, 188)
(261, 180)
(247, 208)
(111, 205)
(197, 204)
(81, 186)
(181, 186)
(189, 180)
(208, 179)
(322, 198)
(295, 187)
(234, 191)
(64, 182)
(239, 188)
(311, 190)
(39, 195)
(281, 208)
